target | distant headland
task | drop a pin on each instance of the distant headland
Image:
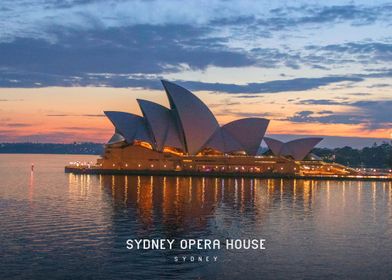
(83, 148)
(376, 156)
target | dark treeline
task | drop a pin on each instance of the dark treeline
(377, 156)
(49, 148)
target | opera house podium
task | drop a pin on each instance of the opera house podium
(186, 139)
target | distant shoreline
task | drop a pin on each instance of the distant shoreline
(86, 148)
(376, 156)
(48, 153)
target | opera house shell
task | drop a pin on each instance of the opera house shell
(187, 139)
(297, 149)
(187, 127)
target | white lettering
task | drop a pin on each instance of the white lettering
(229, 244)
(171, 242)
(195, 259)
(150, 244)
(245, 244)
(262, 247)
(129, 244)
(138, 242)
(183, 244)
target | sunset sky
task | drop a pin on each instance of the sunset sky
(311, 68)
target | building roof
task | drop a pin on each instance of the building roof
(188, 125)
(248, 132)
(131, 127)
(196, 121)
(297, 149)
(163, 125)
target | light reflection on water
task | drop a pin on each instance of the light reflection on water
(75, 226)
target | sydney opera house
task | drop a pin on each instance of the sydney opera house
(187, 139)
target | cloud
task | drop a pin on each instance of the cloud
(123, 51)
(247, 96)
(108, 43)
(152, 81)
(75, 115)
(377, 113)
(360, 94)
(332, 118)
(70, 43)
(382, 85)
(273, 57)
(298, 84)
(325, 112)
(358, 15)
(365, 52)
(40, 16)
(10, 100)
(372, 114)
(238, 114)
(78, 128)
(320, 102)
(18, 124)
(113, 57)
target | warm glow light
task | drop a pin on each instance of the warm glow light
(174, 151)
(143, 144)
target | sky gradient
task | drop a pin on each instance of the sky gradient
(311, 68)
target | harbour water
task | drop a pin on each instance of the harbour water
(63, 226)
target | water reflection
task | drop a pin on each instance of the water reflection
(304, 222)
(186, 202)
(75, 226)
(31, 186)
(80, 185)
(201, 195)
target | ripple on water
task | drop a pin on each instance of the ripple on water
(75, 226)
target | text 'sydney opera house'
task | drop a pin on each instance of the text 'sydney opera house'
(187, 139)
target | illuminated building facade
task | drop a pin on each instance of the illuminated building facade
(187, 139)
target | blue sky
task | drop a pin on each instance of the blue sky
(303, 65)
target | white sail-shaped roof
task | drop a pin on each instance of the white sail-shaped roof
(162, 124)
(274, 145)
(216, 141)
(248, 132)
(116, 138)
(298, 148)
(231, 144)
(222, 141)
(196, 122)
(131, 127)
(190, 126)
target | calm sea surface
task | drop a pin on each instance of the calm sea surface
(62, 226)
